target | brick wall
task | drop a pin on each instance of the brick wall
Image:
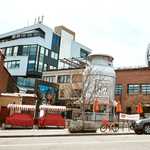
(132, 76)
(7, 83)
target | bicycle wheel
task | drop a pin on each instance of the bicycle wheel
(103, 128)
(115, 127)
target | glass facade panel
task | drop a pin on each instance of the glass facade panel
(31, 65)
(9, 51)
(55, 43)
(32, 52)
(46, 52)
(25, 50)
(37, 57)
(26, 82)
(54, 55)
(83, 53)
(41, 59)
(15, 51)
(45, 67)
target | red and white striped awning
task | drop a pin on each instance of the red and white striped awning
(21, 107)
(53, 108)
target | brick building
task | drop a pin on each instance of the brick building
(7, 83)
(133, 86)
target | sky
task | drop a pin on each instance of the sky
(120, 28)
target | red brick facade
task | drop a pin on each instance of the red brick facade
(7, 83)
(133, 76)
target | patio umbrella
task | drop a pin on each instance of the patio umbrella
(139, 108)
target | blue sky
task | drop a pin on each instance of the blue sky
(120, 28)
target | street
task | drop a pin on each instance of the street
(122, 142)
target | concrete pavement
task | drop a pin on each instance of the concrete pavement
(112, 142)
(55, 132)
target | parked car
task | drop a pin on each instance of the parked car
(19, 120)
(52, 120)
(142, 126)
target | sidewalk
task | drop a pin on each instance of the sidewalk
(55, 132)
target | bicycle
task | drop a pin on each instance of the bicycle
(106, 124)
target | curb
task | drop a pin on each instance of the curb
(60, 135)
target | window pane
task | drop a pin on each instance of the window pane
(31, 65)
(133, 89)
(83, 53)
(46, 52)
(54, 55)
(15, 51)
(9, 51)
(25, 50)
(118, 89)
(42, 50)
(64, 79)
(145, 88)
(25, 82)
(12, 64)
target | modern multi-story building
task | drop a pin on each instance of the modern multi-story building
(31, 50)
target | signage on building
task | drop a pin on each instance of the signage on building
(129, 117)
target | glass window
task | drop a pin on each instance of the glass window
(52, 67)
(83, 53)
(133, 88)
(41, 59)
(42, 50)
(64, 79)
(12, 64)
(55, 43)
(33, 49)
(145, 88)
(25, 50)
(8, 65)
(37, 57)
(15, 51)
(46, 52)
(54, 55)
(45, 67)
(40, 66)
(25, 82)
(9, 51)
(31, 65)
(32, 52)
(118, 89)
(52, 79)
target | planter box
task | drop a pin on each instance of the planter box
(80, 126)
